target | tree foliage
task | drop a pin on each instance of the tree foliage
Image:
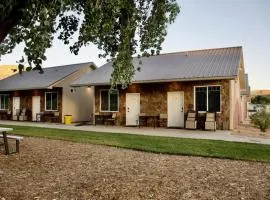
(261, 119)
(261, 99)
(120, 28)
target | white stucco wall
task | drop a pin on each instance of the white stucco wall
(232, 107)
(78, 101)
(243, 108)
(236, 111)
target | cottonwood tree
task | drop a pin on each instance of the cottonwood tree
(120, 28)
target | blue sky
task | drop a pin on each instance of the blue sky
(200, 25)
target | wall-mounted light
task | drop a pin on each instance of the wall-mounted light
(72, 90)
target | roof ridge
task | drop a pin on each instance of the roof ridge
(189, 51)
(66, 65)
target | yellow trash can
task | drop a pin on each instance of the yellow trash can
(67, 119)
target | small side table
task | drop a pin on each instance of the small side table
(39, 117)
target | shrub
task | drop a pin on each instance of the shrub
(261, 119)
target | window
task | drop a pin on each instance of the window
(214, 98)
(51, 101)
(4, 101)
(109, 100)
(207, 98)
(201, 93)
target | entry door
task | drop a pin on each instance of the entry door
(16, 104)
(175, 109)
(132, 108)
(35, 107)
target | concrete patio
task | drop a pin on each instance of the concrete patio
(177, 133)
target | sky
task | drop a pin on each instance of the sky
(201, 24)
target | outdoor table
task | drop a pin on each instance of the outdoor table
(40, 117)
(100, 118)
(152, 118)
(201, 122)
(4, 132)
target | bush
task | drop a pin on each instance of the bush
(261, 119)
(261, 99)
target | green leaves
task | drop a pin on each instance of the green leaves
(261, 119)
(68, 25)
(260, 99)
(120, 28)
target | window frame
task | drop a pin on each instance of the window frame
(51, 99)
(109, 102)
(5, 102)
(194, 99)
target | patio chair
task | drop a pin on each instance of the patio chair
(142, 120)
(23, 116)
(9, 114)
(17, 114)
(98, 118)
(191, 122)
(210, 122)
(5, 115)
(40, 117)
(162, 121)
(111, 119)
(55, 117)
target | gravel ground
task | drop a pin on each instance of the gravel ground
(251, 131)
(51, 169)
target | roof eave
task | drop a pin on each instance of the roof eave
(186, 79)
(20, 89)
(162, 80)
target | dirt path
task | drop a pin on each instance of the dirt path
(251, 131)
(50, 169)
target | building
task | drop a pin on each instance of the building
(209, 80)
(47, 95)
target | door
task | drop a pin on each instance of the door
(175, 109)
(132, 109)
(35, 107)
(16, 104)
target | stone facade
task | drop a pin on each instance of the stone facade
(153, 98)
(26, 100)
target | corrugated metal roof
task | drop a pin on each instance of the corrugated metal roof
(35, 80)
(191, 65)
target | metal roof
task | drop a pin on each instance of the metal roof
(204, 64)
(35, 80)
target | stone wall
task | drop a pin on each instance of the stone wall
(26, 100)
(153, 97)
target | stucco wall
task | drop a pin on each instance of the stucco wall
(243, 108)
(232, 103)
(78, 101)
(153, 98)
(237, 106)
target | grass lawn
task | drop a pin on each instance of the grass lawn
(178, 146)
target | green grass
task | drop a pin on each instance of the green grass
(167, 145)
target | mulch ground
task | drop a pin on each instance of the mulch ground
(51, 169)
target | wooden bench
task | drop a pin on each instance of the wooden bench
(14, 137)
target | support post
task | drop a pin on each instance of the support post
(5, 142)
